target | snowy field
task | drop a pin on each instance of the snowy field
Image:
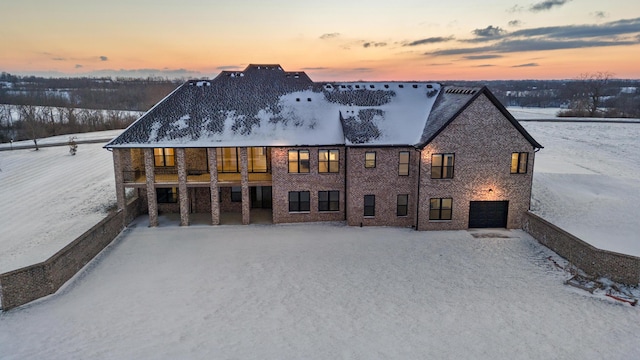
(586, 181)
(50, 197)
(320, 291)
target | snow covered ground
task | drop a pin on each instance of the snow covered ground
(323, 290)
(320, 291)
(49, 198)
(586, 181)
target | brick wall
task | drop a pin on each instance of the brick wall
(482, 140)
(617, 267)
(24, 285)
(283, 182)
(384, 183)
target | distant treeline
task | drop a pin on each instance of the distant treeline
(588, 95)
(27, 122)
(89, 93)
(33, 106)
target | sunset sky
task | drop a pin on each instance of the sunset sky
(329, 39)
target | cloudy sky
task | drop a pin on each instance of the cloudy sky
(329, 39)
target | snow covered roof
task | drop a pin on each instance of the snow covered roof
(264, 105)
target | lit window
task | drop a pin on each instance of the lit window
(164, 157)
(519, 163)
(328, 161)
(369, 205)
(442, 166)
(328, 200)
(440, 209)
(370, 159)
(403, 164)
(299, 201)
(258, 161)
(227, 160)
(403, 205)
(298, 161)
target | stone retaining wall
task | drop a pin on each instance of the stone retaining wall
(601, 263)
(24, 285)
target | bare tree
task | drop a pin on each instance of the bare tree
(31, 123)
(588, 92)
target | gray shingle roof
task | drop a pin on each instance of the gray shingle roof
(264, 105)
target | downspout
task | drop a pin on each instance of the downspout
(418, 192)
(346, 156)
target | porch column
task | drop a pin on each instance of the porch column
(213, 185)
(183, 196)
(120, 193)
(244, 166)
(152, 200)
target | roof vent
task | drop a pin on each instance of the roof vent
(460, 91)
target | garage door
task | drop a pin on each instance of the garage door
(488, 214)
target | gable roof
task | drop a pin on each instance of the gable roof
(452, 101)
(264, 105)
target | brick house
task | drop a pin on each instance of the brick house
(410, 154)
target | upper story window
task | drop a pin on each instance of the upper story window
(370, 159)
(328, 161)
(403, 163)
(258, 160)
(298, 161)
(519, 162)
(442, 166)
(164, 157)
(227, 160)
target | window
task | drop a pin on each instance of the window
(298, 161)
(440, 209)
(328, 200)
(167, 195)
(227, 160)
(403, 163)
(370, 159)
(328, 161)
(403, 205)
(236, 194)
(369, 205)
(299, 201)
(519, 163)
(442, 166)
(258, 162)
(164, 157)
